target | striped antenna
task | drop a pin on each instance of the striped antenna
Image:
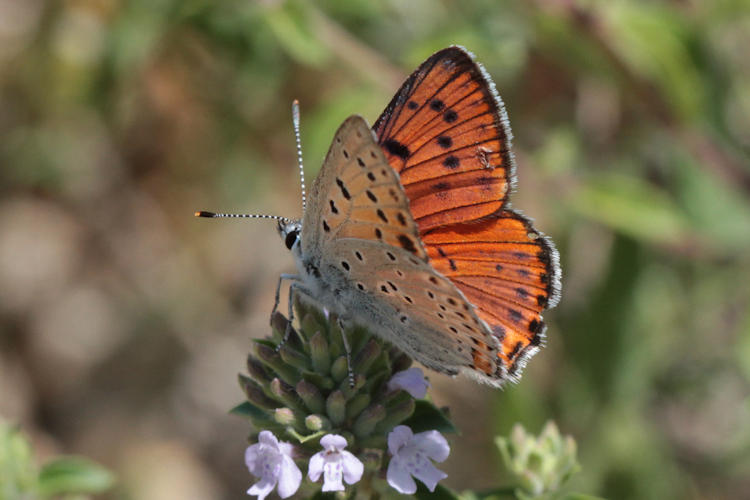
(298, 140)
(213, 215)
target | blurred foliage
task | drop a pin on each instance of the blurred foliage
(65, 477)
(123, 321)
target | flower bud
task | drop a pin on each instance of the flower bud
(336, 407)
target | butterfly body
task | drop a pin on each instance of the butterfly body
(409, 233)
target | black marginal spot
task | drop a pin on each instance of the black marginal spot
(345, 265)
(408, 299)
(544, 278)
(498, 267)
(361, 287)
(442, 307)
(451, 162)
(378, 233)
(333, 207)
(476, 342)
(461, 315)
(521, 255)
(372, 196)
(499, 332)
(535, 326)
(536, 340)
(403, 319)
(430, 294)
(452, 302)
(360, 162)
(390, 283)
(382, 216)
(401, 218)
(396, 148)
(437, 105)
(371, 176)
(441, 252)
(444, 141)
(515, 350)
(453, 329)
(346, 153)
(525, 274)
(391, 256)
(406, 243)
(541, 300)
(433, 280)
(359, 256)
(441, 186)
(468, 327)
(441, 315)
(452, 263)
(412, 105)
(383, 288)
(515, 315)
(326, 228)
(450, 116)
(399, 273)
(344, 191)
(522, 292)
(543, 256)
(485, 180)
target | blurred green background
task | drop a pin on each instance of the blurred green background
(124, 320)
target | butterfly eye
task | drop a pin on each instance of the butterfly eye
(291, 238)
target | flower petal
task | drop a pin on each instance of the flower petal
(429, 475)
(267, 438)
(399, 478)
(398, 437)
(353, 468)
(433, 444)
(315, 469)
(261, 488)
(333, 473)
(290, 477)
(333, 441)
(252, 454)
(411, 380)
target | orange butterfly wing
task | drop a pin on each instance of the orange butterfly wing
(447, 134)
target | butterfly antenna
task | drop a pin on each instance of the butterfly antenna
(213, 215)
(295, 121)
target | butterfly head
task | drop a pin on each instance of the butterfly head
(290, 230)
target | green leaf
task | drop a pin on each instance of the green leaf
(18, 476)
(73, 475)
(427, 417)
(249, 410)
(440, 493)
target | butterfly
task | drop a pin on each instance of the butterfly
(409, 231)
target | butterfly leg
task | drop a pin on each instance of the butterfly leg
(347, 350)
(290, 313)
(282, 277)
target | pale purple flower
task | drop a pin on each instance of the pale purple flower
(411, 380)
(335, 464)
(411, 457)
(271, 461)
